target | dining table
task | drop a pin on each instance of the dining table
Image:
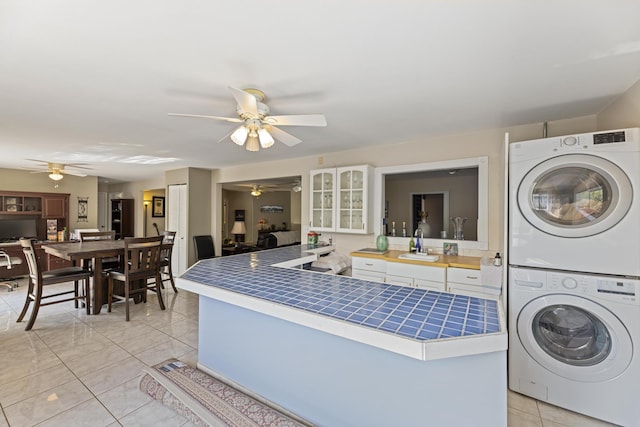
(96, 251)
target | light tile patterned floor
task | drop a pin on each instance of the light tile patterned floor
(79, 370)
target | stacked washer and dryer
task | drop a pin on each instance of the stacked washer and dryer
(574, 272)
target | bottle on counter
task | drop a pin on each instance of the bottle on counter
(418, 246)
(497, 261)
(412, 245)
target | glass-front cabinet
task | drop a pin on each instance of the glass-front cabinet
(323, 186)
(340, 199)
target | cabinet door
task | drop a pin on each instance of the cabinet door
(399, 280)
(353, 204)
(323, 185)
(54, 206)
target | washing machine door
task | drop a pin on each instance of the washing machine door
(575, 195)
(575, 338)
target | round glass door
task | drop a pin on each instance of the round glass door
(574, 338)
(571, 335)
(575, 195)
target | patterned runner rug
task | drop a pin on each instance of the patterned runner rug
(206, 401)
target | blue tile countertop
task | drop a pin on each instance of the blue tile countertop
(415, 322)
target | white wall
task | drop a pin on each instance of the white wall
(624, 112)
(18, 180)
(473, 144)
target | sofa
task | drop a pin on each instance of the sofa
(276, 239)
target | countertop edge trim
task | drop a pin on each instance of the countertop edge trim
(421, 350)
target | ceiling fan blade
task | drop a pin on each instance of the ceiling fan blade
(297, 120)
(226, 119)
(284, 137)
(227, 135)
(68, 172)
(247, 102)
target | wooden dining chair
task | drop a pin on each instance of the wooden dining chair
(141, 262)
(39, 279)
(165, 258)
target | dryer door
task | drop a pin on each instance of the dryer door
(575, 195)
(575, 338)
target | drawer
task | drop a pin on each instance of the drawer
(373, 276)
(369, 264)
(399, 280)
(473, 291)
(464, 275)
(429, 285)
(434, 274)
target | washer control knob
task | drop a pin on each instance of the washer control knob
(570, 141)
(569, 283)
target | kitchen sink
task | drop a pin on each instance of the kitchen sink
(419, 256)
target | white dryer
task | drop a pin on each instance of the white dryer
(571, 342)
(574, 203)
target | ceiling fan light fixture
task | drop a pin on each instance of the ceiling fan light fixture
(239, 136)
(256, 192)
(296, 187)
(252, 144)
(56, 175)
(266, 140)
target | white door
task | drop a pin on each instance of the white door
(103, 211)
(177, 221)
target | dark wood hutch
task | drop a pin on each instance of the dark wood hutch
(35, 209)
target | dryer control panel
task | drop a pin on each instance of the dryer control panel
(610, 288)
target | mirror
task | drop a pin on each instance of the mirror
(455, 188)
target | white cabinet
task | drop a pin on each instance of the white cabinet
(417, 276)
(467, 281)
(323, 189)
(369, 269)
(399, 273)
(340, 201)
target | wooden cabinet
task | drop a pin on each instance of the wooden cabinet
(55, 206)
(339, 199)
(122, 221)
(23, 212)
(13, 203)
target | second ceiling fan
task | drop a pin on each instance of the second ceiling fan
(258, 128)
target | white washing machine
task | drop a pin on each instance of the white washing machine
(574, 203)
(572, 342)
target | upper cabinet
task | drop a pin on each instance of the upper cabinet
(55, 206)
(16, 203)
(340, 199)
(323, 188)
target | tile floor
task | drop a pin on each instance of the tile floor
(77, 370)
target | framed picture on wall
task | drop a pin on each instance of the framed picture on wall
(157, 204)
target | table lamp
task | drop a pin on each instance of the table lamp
(239, 230)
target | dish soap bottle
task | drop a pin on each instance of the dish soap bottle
(418, 246)
(412, 245)
(497, 261)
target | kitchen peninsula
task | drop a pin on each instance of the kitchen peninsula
(343, 351)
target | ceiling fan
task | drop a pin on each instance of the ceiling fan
(258, 128)
(57, 171)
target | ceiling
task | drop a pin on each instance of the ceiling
(92, 81)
